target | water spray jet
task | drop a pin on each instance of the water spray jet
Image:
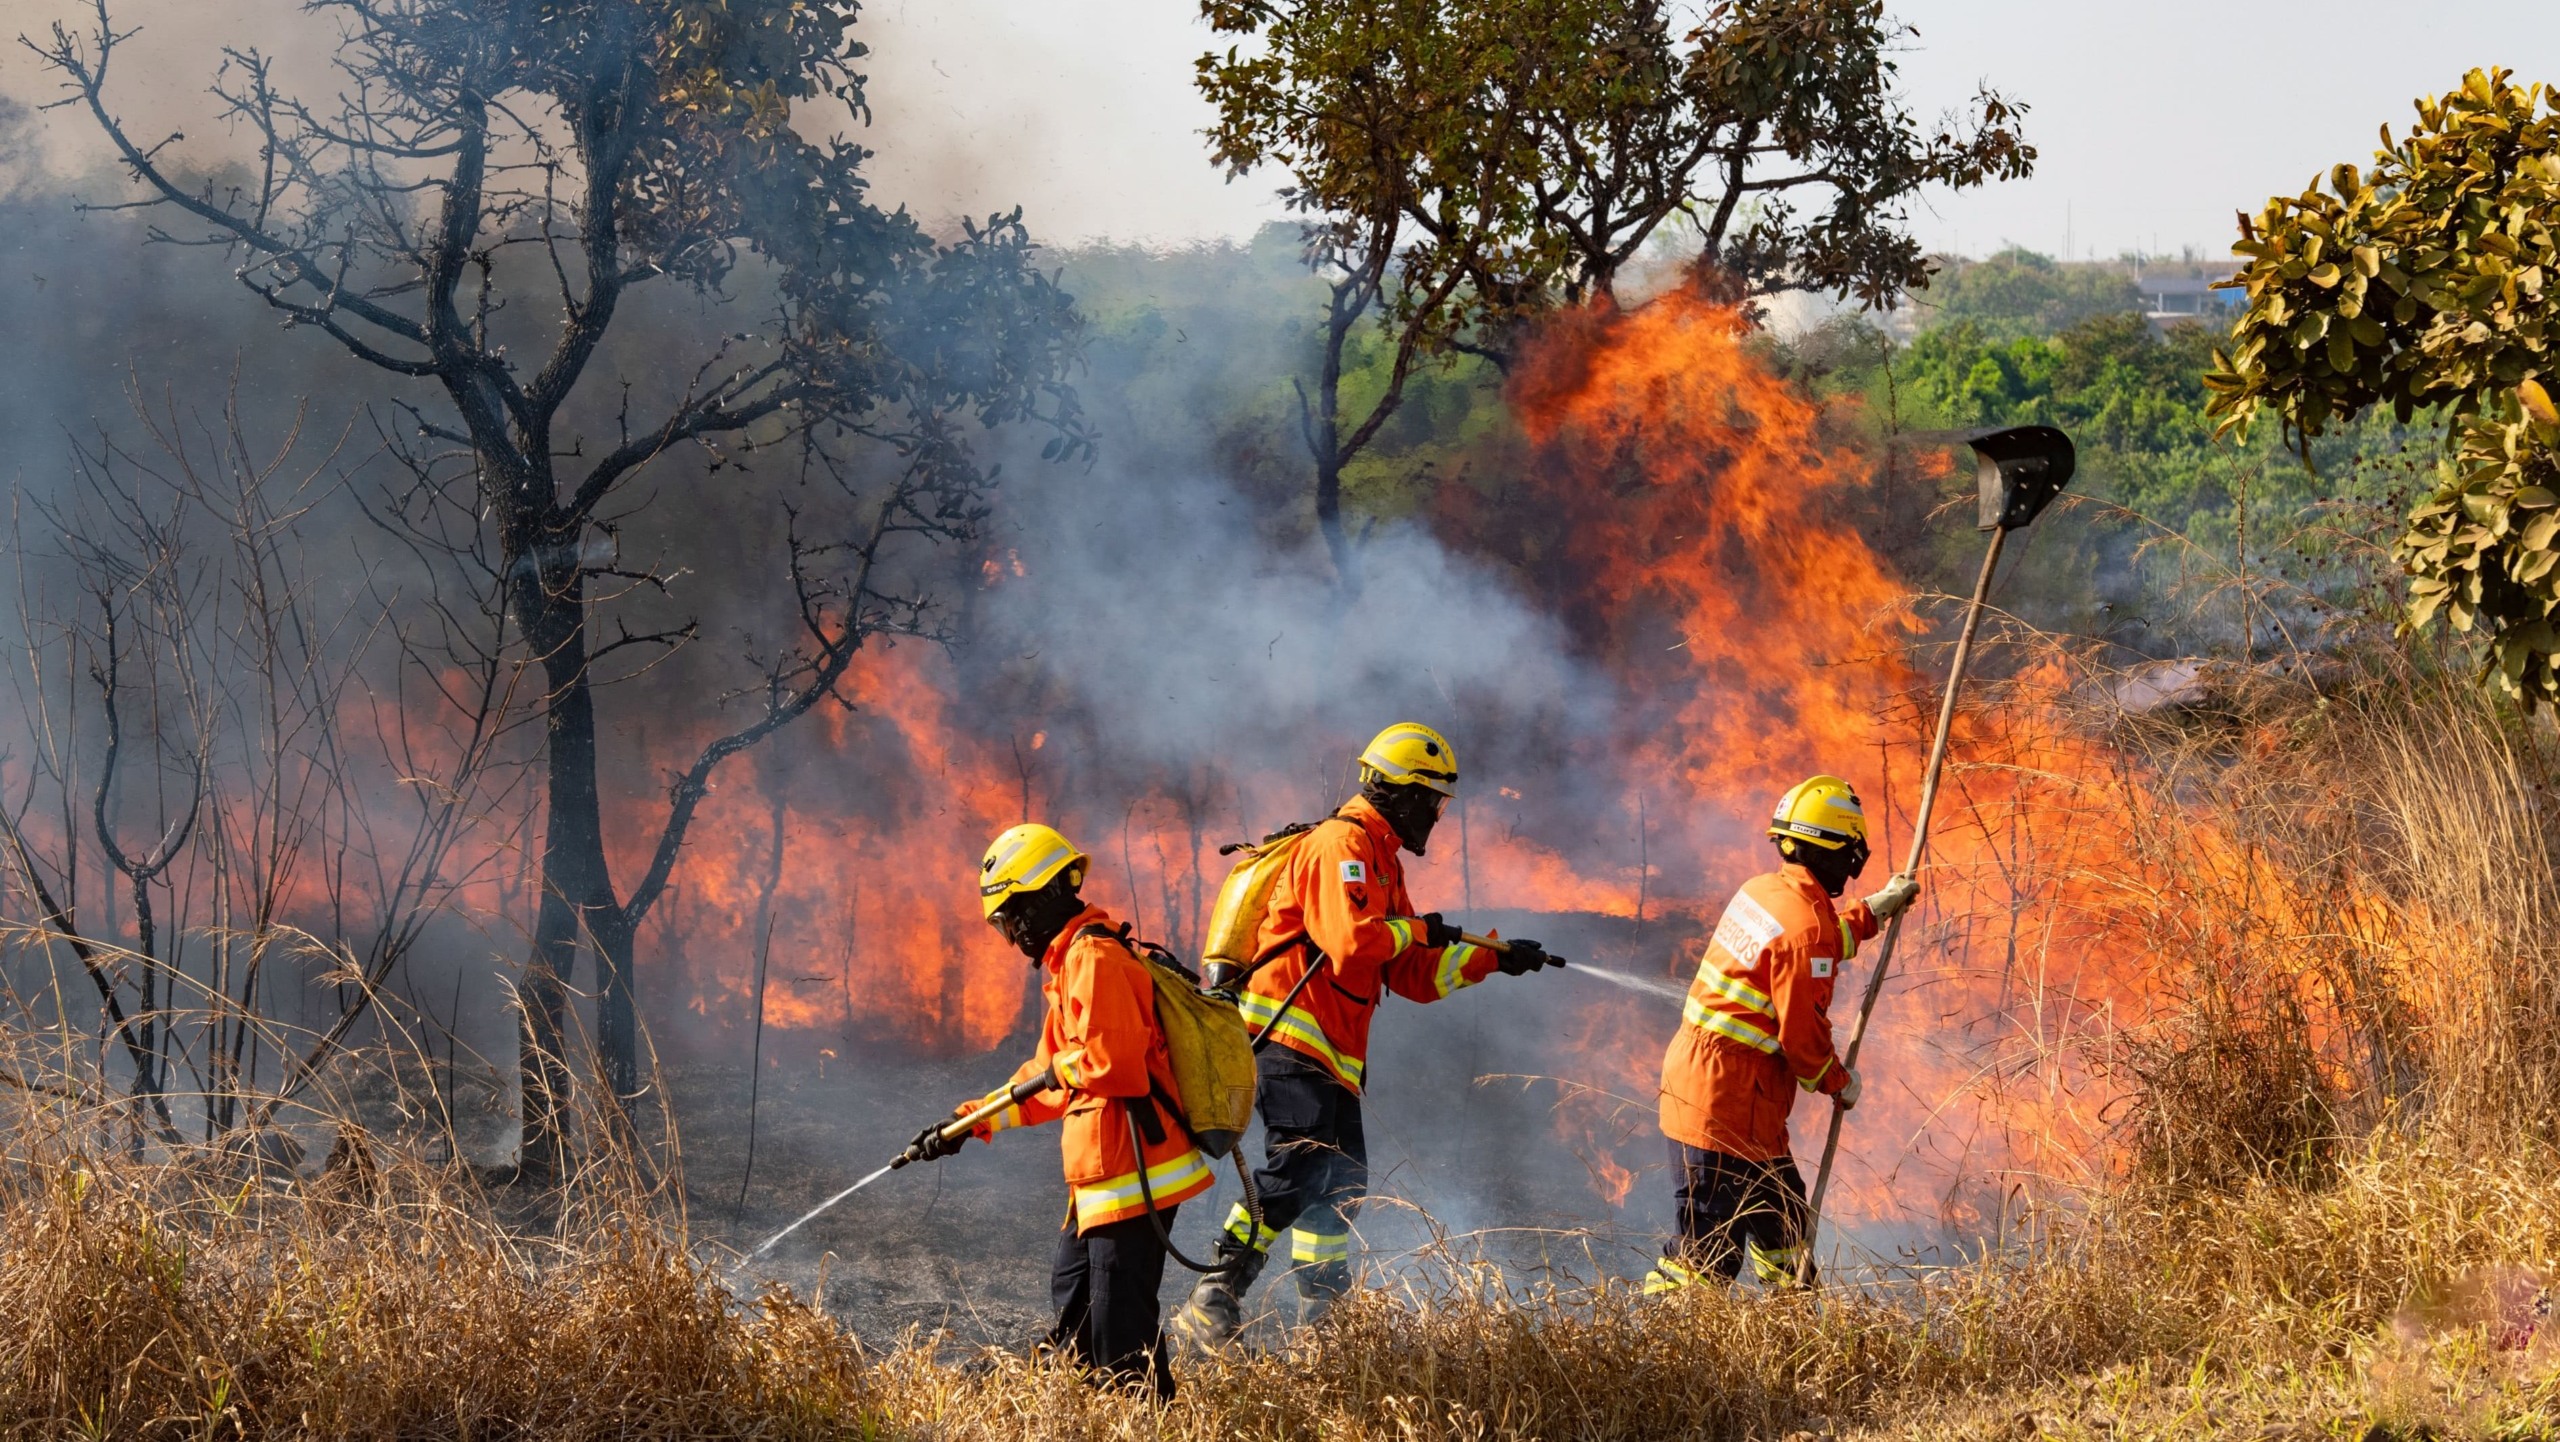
(1647, 985)
(951, 1131)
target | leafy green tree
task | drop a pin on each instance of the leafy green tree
(2018, 292)
(1352, 100)
(2180, 544)
(493, 186)
(2110, 380)
(1465, 166)
(1772, 129)
(2432, 279)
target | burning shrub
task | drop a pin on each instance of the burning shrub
(2355, 919)
(2230, 1097)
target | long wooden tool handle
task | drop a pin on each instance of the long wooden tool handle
(1893, 928)
(1929, 786)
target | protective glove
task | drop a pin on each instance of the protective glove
(1897, 896)
(1436, 932)
(931, 1145)
(1523, 958)
(1848, 1095)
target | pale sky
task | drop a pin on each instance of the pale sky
(2154, 121)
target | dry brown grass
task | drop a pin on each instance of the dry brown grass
(2340, 1196)
(154, 1301)
(141, 1304)
(2214, 1315)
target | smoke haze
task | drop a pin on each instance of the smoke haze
(1150, 652)
(1082, 114)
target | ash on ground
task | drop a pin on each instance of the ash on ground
(1493, 1138)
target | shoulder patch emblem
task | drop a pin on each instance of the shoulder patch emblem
(1353, 873)
(1746, 927)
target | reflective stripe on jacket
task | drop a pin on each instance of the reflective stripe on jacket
(1343, 891)
(1098, 1035)
(1756, 1027)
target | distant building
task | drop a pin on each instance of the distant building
(2169, 300)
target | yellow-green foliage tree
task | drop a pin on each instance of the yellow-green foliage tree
(2432, 280)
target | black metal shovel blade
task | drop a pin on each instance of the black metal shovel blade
(2021, 469)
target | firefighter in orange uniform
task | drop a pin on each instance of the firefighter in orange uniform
(1114, 1088)
(1340, 933)
(1755, 1032)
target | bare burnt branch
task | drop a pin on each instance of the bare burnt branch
(795, 682)
(459, 135)
(58, 923)
(196, 557)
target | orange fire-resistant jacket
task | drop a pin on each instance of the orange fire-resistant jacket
(1099, 1036)
(1344, 892)
(1757, 1026)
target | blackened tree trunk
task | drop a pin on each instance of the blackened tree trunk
(668, 153)
(1362, 274)
(577, 887)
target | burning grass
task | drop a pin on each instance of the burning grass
(2329, 1200)
(2335, 1200)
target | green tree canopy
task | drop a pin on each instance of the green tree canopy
(2432, 279)
(1464, 166)
(2018, 292)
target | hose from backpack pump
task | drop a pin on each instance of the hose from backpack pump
(1244, 1176)
(1155, 1219)
(1262, 1038)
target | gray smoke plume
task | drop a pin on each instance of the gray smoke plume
(1172, 616)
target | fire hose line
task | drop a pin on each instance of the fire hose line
(1015, 1095)
(1155, 1217)
(958, 1127)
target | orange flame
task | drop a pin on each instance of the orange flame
(1696, 523)
(1708, 557)
(1703, 499)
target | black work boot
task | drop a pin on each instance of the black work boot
(1320, 1285)
(1215, 1312)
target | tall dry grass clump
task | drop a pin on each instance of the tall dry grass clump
(195, 1299)
(2354, 905)
(2332, 1206)
(2456, 805)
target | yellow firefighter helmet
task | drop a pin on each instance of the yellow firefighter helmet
(1412, 754)
(1822, 812)
(1026, 858)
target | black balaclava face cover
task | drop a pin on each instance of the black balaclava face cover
(1411, 810)
(1834, 869)
(1033, 919)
